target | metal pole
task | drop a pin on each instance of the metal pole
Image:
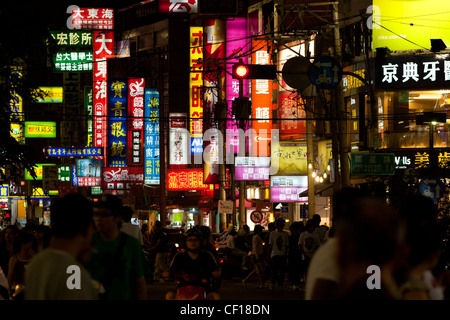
(222, 128)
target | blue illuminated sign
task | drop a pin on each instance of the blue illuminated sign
(151, 137)
(74, 152)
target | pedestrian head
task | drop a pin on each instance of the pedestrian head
(193, 239)
(23, 242)
(310, 225)
(271, 226)
(107, 213)
(258, 229)
(71, 216)
(316, 218)
(126, 213)
(280, 223)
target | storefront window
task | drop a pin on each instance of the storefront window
(397, 118)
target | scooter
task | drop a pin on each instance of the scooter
(190, 287)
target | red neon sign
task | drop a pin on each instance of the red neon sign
(187, 179)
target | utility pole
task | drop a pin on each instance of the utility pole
(223, 150)
(162, 148)
(341, 110)
(242, 215)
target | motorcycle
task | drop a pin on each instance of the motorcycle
(190, 287)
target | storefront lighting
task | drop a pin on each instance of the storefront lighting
(313, 174)
(325, 175)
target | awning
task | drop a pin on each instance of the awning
(326, 191)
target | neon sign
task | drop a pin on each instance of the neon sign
(185, 179)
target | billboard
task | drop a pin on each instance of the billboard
(117, 123)
(40, 129)
(178, 140)
(73, 152)
(88, 109)
(151, 137)
(87, 168)
(409, 25)
(37, 170)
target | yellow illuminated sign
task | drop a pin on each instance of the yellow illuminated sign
(409, 25)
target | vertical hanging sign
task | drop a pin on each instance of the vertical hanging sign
(195, 92)
(88, 111)
(117, 123)
(136, 120)
(103, 47)
(151, 137)
(261, 102)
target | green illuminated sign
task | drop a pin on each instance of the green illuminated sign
(39, 129)
(73, 61)
(38, 170)
(72, 38)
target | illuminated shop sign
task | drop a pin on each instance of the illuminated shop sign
(117, 123)
(64, 173)
(178, 140)
(73, 61)
(136, 124)
(420, 158)
(93, 18)
(174, 6)
(38, 170)
(261, 101)
(290, 158)
(89, 110)
(16, 107)
(89, 168)
(252, 168)
(151, 137)
(50, 95)
(121, 178)
(72, 38)
(195, 89)
(103, 48)
(4, 191)
(408, 25)
(39, 129)
(288, 188)
(413, 72)
(185, 179)
(74, 152)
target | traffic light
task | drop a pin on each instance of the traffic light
(254, 71)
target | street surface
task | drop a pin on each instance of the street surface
(234, 290)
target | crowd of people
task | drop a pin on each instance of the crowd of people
(371, 251)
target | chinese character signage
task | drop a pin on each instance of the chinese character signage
(50, 95)
(121, 178)
(185, 179)
(88, 109)
(74, 152)
(178, 6)
(252, 168)
(419, 72)
(75, 61)
(288, 188)
(414, 23)
(117, 122)
(372, 163)
(290, 158)
(151, 137)
(93, 18)
(195, 89)
(72, 38)
(236, 48)
(103, 47)
(39, 129)
(136, 120)
(178, 140)
(16, 107)
(291, 107)
(64, 173)
(261, 101)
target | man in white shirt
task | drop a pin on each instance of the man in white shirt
(278, 246)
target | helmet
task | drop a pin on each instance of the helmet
(194, 232)
(205, 230)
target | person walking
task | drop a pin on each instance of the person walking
(294, 254)
(257, 257)
(158, 248)
(48, 275)
(117, 260)
(308, 242)
(22, 254)
(278, 245)
(129, 228)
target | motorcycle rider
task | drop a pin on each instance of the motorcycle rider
(196, 263)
